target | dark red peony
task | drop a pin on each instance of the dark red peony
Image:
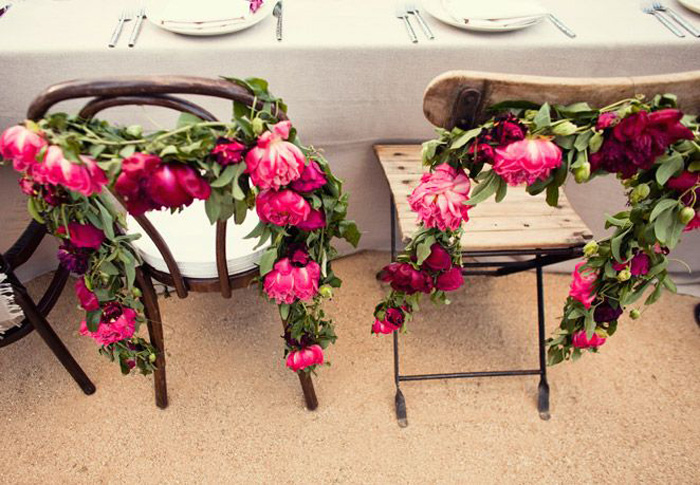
(404, 277)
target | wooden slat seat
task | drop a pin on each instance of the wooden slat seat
(520, 221)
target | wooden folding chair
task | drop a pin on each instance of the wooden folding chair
(521, 225)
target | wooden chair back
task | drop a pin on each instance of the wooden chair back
(460, 98)
(157, 91)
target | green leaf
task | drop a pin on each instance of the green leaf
(553, 195)
(662, 225)
(349, 232)
(582, 140)
(669, 167)
(130, 271)
(240, 211)
(187, 119)
(107, 221)
(92, 319)
(465, 138)
(423, 250)
(485, 188)
(33, 211)
(589, 324)
(429, 149)
(284, 311)
(257, 231)
(226, 176)
(502, 190)
(595, 142)
(543, 118)
(662, 206)
(212, 208)
(267, 261)
(655, 295)
(616, 244)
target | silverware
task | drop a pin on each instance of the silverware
(667, 23)
(681, 21)
(402, 14)
(277, 12)
(124, 17)
(561, 25)
(137, 27)
(412, 8)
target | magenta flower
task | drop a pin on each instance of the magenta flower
(583, 284)
(22, 146)
(117, 323)
(438, 260)
(605, 312)
(393, 320)
(275, 162)
(88, 300)
(580, 341)
(638, 265)
(450, 280)
(283, 208)
(306, 357)
(311, 178)
(289, 281)
(85, 178)
(527, 161)
(131, 185)
(228, 152)
(606, 120)
(315, 220)
(177, 185)
(403, 277)
(83, 235)
(694, 223)
(439, 198)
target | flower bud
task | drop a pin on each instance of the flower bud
(326, 291)
(151, 358)
(258, 127)
(590, 249)
(582, 173)
(639, 193)
(136, 292)
(624, 275)
(686, 215)
(634, 314)
(135, 131)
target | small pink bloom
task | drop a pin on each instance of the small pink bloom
(275, 162)
(306, 357)
(282, 208)
(316, 220)
(112, 328)
(439, 198)
(311, 178)
(288, 281)
(85, 177)
(450, 280)
(27, 186)
(606, 120)
(306, 280)
(255, 5)
(527, 161)
(176, 185)
(583, 284)
(228, 152)
(83, 235)
(580, 341)
(87, 298)
(438, 260)
(393, 320)
(22, 146)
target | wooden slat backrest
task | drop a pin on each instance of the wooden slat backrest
(440, 102)
(152, 91)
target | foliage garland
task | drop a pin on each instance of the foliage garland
(651, 147)
(253, 161)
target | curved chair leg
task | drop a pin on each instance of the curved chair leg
(307, 385)
(41, 325)
(155, 333)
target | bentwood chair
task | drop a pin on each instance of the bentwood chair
(35, 313)
(522, 225)
(160, 91)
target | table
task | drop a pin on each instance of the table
(346, 69)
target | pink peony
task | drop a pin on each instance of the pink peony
(177, 184)
(393, 320)
(450, 280)
(580, 341)
(316, 220)
(438, 260)
(583, 284)
(311, 178)
(275, 162)
(228, 152)
(403, 277)
(83, 235)
(85, 178)
(606, 120)
(289, 281)
(527, 161)
(282, 208)
(88, 300)
(439, 198)
(117, 323)
(306, 357)
(22, 146)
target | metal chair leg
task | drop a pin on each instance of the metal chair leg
(399, 400)
(543, 387)
(307, 386)
(41, 325)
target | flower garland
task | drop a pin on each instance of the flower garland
(255, 160)
(651, 147)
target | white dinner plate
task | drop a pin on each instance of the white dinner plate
(437, 10)
(156, 8)
(693, 5)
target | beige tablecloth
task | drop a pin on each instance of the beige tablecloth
(347, 70)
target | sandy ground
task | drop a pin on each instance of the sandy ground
(628, 415)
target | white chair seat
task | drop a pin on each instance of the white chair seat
(192, 241)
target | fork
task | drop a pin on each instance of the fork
(667, 23)
(412, 8)
(124, 17)
(681, 21)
